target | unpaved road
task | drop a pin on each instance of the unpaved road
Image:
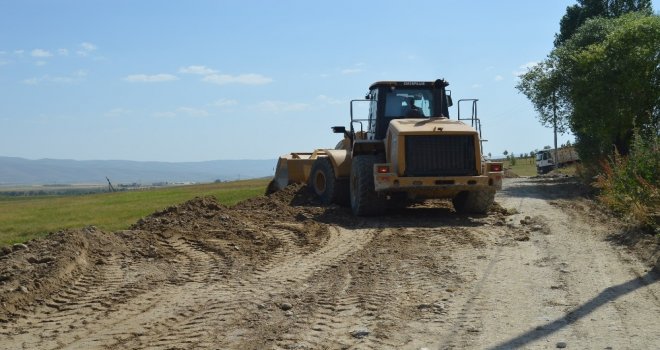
(280, 272)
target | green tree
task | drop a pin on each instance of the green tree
(603, 81)
(505, 152)
(610, 71)
(544, 87)
(579, 13)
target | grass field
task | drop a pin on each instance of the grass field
(527, 167)
(523, 167)
(24, 218)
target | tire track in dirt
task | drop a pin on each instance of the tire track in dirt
(398, 301)
(107, 296)
(216, 312)
(196, 268)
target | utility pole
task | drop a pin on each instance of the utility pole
(554, 120)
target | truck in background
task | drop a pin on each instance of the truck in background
(545, 159)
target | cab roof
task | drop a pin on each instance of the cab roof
(409, 84)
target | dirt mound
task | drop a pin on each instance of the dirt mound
(34, 270)
(291, 201)
(202, 228)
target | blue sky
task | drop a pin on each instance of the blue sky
(204, 80)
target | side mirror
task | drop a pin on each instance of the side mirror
(450, 102)
(339, 129)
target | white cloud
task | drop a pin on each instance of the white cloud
(86, 48)
(192, 112)
(81, 73)
(279, 107)
(3, 52)
(524, 68)
(75, 77)
(329, 100)
(183, 112)
(223, 102)
(52, 79)
(40, 53)
(476, 86)
(246, 79)
(155, 78)
(117, 112)
(200, 70)
(3, 62)
(31, 81)
(19, 52)
(164, 114)
(63, 52)
(498, 78)
(350, 71)
(40, 63)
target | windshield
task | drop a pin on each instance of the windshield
(409, 103)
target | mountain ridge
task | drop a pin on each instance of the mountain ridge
(16, 170)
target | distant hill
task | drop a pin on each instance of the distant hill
(61, 171)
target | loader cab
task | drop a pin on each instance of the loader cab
(396, 100)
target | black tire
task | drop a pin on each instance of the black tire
(364, 199)
(323, 183)
(473, 202)
(343, 192)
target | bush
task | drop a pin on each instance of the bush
(629, 184)
(512, 159)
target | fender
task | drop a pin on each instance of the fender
(341, 162)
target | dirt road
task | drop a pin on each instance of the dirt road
(541, 271)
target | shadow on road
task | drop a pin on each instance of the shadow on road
(607, 295)
(401, 218)
(431, 213)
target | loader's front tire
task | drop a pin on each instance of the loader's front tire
(325, 185)
(473, 202)
(364, 199)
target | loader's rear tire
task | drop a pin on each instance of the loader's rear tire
(323, 183)
(364, 199)
(473, 202)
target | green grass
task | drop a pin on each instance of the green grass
(523, 167)
(24, 218)
(527, 167)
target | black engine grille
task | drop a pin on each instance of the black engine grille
(440, 155)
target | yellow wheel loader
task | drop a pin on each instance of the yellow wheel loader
(406, 149)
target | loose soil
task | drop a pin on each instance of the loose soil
(543, 269)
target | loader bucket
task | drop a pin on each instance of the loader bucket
(291, 168)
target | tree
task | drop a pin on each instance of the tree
(604, 81)
(579, 13)
(544, 87)
(611, 73)
(505, 152)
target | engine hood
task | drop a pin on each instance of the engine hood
(429, 126)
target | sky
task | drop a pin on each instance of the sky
(201, 80)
